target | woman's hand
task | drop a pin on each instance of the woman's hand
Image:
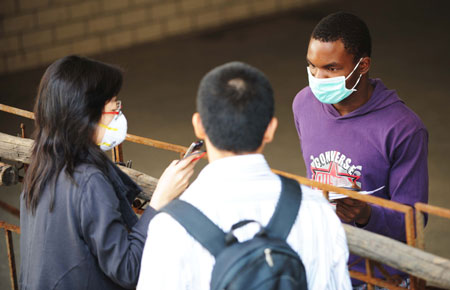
(174, 180)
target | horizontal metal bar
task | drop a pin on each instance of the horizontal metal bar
(324, 187)
(9, 227)
(350, 193)
(9, 208)
(156, 143)
(129, 137)
(374, 281)
(17, 111)
(182, 149)
(439, 211)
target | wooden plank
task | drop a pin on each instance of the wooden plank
(19, 149)
(15, 148)
(146, 182)
(363, 243)
(393, 253)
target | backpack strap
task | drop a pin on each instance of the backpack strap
(213, 238)
(287, 208)
(197, 225)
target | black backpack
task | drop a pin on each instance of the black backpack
(264, 262)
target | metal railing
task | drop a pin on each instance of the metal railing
(9, 229)
(369, 278)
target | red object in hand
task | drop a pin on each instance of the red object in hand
(199, 157)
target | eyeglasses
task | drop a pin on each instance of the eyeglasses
(116, 110)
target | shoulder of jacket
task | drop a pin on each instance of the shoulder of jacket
(85, 173)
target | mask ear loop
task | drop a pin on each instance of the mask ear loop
(354, 68)
(360, 75)
(353, 89)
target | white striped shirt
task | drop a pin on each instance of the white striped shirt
(229, 190)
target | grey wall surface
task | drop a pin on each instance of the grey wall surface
(36, 32)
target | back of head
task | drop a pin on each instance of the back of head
(348, 28)
(236, 104)
(72, 94)
(69, 104)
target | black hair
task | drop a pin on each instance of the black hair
(68, 108)
(236, 104)
(348, 28)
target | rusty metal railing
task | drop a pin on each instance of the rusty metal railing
(409, 226)
(422, 208)
(9, 229)
(117, 155)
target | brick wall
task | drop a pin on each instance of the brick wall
(36, 32)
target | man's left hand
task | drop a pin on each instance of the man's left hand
(352, 210)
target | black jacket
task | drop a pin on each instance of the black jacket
(90, 240)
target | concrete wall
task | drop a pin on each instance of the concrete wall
(36, 32)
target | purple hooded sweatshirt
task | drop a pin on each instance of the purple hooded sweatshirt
(381, 145)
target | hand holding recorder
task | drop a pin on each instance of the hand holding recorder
(175, 179)
(195, 149)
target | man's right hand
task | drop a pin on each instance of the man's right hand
(352, 210)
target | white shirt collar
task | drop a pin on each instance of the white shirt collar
(235, 167)
(226, 172)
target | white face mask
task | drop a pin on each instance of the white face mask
(115, 132)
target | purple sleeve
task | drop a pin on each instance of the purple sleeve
(294, 105)
(408, 184)
(118, 251)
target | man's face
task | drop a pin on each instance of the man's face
(330, 59)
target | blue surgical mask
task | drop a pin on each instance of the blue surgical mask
(331, 90)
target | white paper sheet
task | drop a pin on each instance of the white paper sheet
(334, 195)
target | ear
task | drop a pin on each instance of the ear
(270, 131)
(364, 65)
(199, 130)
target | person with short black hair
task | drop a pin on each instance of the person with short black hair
(236, 120)
(349, 29)
(356, 133)
(236, 107)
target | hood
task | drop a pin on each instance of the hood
(381, 98)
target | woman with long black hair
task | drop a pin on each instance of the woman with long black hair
(78, 230)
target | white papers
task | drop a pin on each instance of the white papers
(334, 195)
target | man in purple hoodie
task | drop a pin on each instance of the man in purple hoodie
(354, 132)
